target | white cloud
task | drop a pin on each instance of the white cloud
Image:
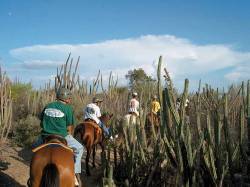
(240, 72)
(182, 57)
(41, 64)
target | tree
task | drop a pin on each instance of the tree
(138, 77)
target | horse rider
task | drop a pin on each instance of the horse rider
(155, 106)
(134, 105)
(186, 105)
(92, 112)
(57, 118)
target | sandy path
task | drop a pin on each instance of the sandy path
(17, 173)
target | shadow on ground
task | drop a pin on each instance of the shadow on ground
(7, 181)
(4, 165)
(26, 155)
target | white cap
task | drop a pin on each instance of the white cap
(134, 94)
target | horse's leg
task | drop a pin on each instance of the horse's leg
(148, 130)
(94, 150)
(109, 154)
(115, 156)
(121, 154)
(87, 161)
(103, 155)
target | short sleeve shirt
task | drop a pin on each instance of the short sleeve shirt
(134, 106)
(56, 117)
(92, 111)
(155, 106)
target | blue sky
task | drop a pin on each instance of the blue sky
(206, 40)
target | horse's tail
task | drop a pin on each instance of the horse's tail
(50, 176)
(79, 131)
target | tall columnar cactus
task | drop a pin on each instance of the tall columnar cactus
(108, 181)
(178, 142)
(198, 110)
(159, 86)
(197, 158)
(248, 121)
(65, 78)
(5, 106)
(218, 157)
(228, 139)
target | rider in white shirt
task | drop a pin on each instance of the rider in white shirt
(93, 112)
(134, 104)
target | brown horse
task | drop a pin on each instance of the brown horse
(87, 133)
(52, 165)
(152, 124)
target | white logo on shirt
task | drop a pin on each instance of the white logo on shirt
(52, 112)
(90, 110)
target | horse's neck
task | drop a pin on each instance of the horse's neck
(104, 120)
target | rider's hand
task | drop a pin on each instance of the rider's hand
(70, 129)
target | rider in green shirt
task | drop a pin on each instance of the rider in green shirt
(57, 118)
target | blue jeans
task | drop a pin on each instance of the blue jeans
(72, 143)
(105, 129)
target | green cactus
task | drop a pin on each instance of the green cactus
(5, 106)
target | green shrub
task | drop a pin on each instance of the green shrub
(27, 130)
(20, 93)
(18, 90)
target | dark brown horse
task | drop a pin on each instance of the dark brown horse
(52, 165)
(152, 124)
(87, 133)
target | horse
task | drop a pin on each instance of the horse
(52, 165)
(152, 123)
(87, 134)
(130, 119)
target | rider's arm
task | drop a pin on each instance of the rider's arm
(70, 121)
(70, 129)
(41, 118)
(98, 113)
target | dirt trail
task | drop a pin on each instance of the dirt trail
(18, 159)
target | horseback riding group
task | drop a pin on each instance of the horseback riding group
(58, 150)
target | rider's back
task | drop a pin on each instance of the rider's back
(55, 118)
(92, 111)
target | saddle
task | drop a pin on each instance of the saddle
(133, 113)
(53, 141)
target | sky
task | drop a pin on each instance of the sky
(198, 39)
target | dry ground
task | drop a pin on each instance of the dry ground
(17, 160)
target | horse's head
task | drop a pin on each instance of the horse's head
(105, 118)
